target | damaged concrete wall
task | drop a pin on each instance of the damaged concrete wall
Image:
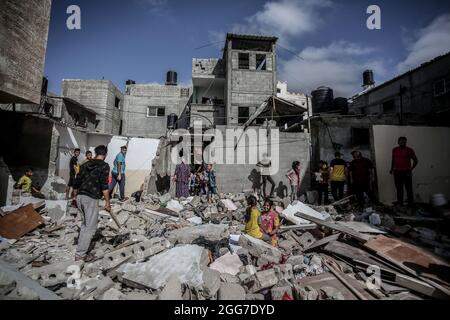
(23, 42)
(432, 175)
(292, 147)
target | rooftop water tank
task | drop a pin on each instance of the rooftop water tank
(322, 100)
(368, 79)
(172, 78)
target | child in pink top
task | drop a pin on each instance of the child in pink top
(294, 180)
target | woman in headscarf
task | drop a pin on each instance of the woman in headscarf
(182, 178)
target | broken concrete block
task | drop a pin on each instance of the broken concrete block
(375, 219)
(306, 240)
(211, 282)
(210, 232)
(279, 293)
(261, 280)
(258, 247)
(295, 260)
(54, 274)
(228, 278)
(149, 248)
(254, 297)
(112, 294)
(284, 271)
(229, 263)
(172, 290)
(330, 293)
(175, 206)
(266, 259)
(184, 261)
(287, 245)
(116, 258)
(56, 210)
(231, 291)
(305, 293)
(129, 207)
(165, 198)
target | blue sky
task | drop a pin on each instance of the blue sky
(142, 39)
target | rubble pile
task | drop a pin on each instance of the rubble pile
(192, 249)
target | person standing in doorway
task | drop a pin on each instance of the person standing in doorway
(265, 166)
(402, 169)
(338, 174)
(74, 168)
(360, 174)
(90, 185)
(293, 176)
(118, 174)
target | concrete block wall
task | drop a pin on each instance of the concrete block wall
(24, 29)
(99, 96)
(140, 97)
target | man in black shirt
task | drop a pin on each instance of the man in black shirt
(73, 170)
(90, 185)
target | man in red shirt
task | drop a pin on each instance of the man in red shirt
(402, 170)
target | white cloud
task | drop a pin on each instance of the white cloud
(339, 65)
(428, 43)
(284, 19)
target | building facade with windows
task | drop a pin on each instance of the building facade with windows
(100, 96)
(147, 106)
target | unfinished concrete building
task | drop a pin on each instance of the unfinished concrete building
(102, 97)
(24, 29)
(147, 106)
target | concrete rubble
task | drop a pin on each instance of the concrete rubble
(183, 249)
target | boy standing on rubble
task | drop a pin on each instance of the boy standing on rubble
(324, 177)
(361, 174)
(210, 179)
(90, 185)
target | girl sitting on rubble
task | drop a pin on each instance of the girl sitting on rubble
(253, 221)
(270, 222)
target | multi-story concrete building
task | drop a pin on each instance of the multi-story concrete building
(147, 106)
(24, 29)
(102, 97)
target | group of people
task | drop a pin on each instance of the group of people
(117, 176)
(359, 175)
(192, 181)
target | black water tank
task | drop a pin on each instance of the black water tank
(172, 78)
(368, 79)
(172, 121)
(322, 100)
(130, 82)
(341, 104)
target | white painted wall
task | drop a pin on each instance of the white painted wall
(141, 152)
(431, 145)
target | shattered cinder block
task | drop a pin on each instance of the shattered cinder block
(261, 280)
(284, 271)
(54, 274)
(258, 247)
(281, 292)
(210, 232)
(305, 293)
(331, 293)
(231, 291)
(116, 258)
(211, 282)
(149, 248)
(306, 240)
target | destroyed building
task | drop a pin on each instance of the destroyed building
(158, 247)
